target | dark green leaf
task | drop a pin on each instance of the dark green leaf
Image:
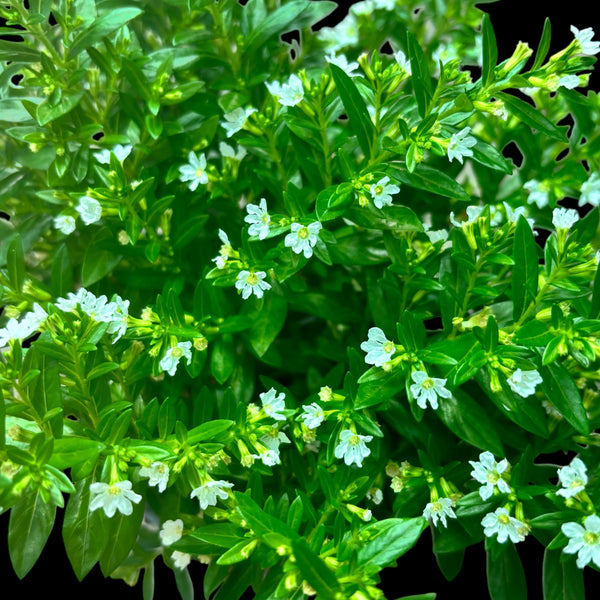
(267, 323)
(430, 180)
(225, 535)
(333, 201)
(223, 358)
(525, 271)
(489, 51)
(356, 109)
(209, 430)
(47, 112)
(314, 570)
(47, 395)
(62, 273)
(505, 574)
(489, 156)
(97, 261)
(543, 46)
(562, 580)
(377, 385)
(15, 261)
(421, 77)
(72, 451)
(533, 333)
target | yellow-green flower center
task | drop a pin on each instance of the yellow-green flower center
(378, 190)
(199, 173)
(388, 347)
(176, 352)
(590, 538)
(504, 519)
(303, 233)
(113, 490)
(354, 440)
(428, 383)
(252, 279)
(493, 477)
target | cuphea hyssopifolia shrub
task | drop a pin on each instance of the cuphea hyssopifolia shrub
(280, 306)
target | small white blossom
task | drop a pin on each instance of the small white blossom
(273, 403)
(460, 145)
(381, 192)
(235, 120)
(89, 210)
(274, 438)
(269, 457)
(590, 191)
(473, 213)
(224, 251)
(343, 34)
(441, 235)
(573, 478)
(342, 62)
(228, 152)
(427, 388)
(564, 218)
(181, 559)
(569, 81)
(539, 192)
(303, 238)
(585, 541)
(194, 171)
(312, 415)
(174, 354)
(440, 509)
(97, 308)
(489, 473)
(259, 219)
(12, 331)
(118, 321)
(121, 153)
(524, 382)
(378, 348)
(500, 523)
(32, 320)
(252, 283)
(113, 497)
(292, 92)
(71, 301)
(157, 474)
(584, 37)
(171, 532)
(352, 447)
(375, 495)
(208, 493)
(65, 224)
(403, 61)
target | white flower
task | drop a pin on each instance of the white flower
(65, 224)
(427, 388)
(118, 321)
(584, 540)
(441, 235)
(352, 447)
(121, 152)
(343, 34)
(269, 457)
(113, 497)
(500, 523)
(208, 493)
(303, 238)
(569, 81)
(32, 320)
(489, 473)
(590, 191)
(381, 192)
(171, 359)
(440, 509)
(194, 171)
(290, 93)
(99, 309)
(273, 403)
(564, 218)
(89, 209)
(573, 478)
(378, 348)
(228, 152)
(158, 475)
(259, 219)
(71, 301)
(538, 192)
(524, 382)
(236, 119)
(274, 438)
(460, 144)
(403, 62)
(312, 415)
(12, 331)
(171, 532)
(342, 62)
(224, 251)
(181, 559)
(375, 495)
(473, 213)
(584, 37)
(252, 283)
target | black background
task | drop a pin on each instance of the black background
(417, 571)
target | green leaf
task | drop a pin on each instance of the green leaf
(184, 584)
(559, 387)
(429, 179)
(15, 261)
(267, 323)
(489, 51)
(208, 430)
(83, 532)
(17, 52)
(489, 156)
(47, 112)
(333, 201)
(531, 116)
(47, 394)
(421, 77)
(505, 574)
(71, 451)
(470, 422)
(392, 538)
(122, 533)
(543, 46)
(595, 303)
(292, 15)
(525, 271)
(101, 28)
(314, 570)
(225, 535)
(148, 582)
(101, 369)
(98, 261)
(61, 280)
(29, 527)
(222, 360)
(377, 385)
(356, 109)
(562, 580)
(533, 333)
(258, 520)
(238, 553)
